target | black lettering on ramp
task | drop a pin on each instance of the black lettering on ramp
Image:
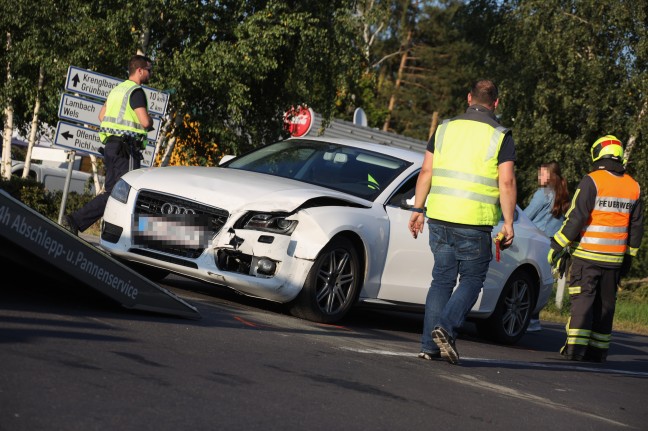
(47, 243)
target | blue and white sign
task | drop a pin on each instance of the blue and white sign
(98, 86)
(82, 139)
(86, 112)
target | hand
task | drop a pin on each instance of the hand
(415, 224)
(562, 265)
(507, 234)
(553, 257)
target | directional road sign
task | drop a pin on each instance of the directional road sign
(82, 139)
(86, 112)
(97, 85)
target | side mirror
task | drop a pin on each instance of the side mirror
(406, 204)
(226, 158)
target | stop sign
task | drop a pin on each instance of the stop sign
(298, 121)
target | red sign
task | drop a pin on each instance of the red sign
(298, 121)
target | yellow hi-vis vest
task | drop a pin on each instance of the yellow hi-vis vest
(120, 119)
(464, 186)
(605, 236)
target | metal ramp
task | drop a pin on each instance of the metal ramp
(27, 234)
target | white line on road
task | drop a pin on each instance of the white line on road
(506, 362)
(510, 392)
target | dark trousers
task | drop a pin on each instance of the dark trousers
(117, 163)
(592, 292)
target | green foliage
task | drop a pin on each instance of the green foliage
(568, 71)
(33, 194)
(579, 74)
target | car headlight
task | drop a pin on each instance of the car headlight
(269, 222)
(120, 191)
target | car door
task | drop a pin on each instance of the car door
(408, 265)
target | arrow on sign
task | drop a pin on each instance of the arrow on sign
(98, 86)
(87, 141)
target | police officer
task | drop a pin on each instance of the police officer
(603, 229)
(468, 181)
(124, 124)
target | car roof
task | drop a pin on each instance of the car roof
(401, 153)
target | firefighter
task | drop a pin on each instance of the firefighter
(603, 231)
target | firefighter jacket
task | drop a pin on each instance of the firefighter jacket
(465, 172)
(119, 118)
(605, 220)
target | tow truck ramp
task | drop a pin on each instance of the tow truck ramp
(27, 235)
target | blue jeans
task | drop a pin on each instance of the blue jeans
(457, 252)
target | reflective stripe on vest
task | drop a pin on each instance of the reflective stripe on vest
(464, 185)
(119, 117)
(605, 236)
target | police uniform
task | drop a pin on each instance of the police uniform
(123, 137)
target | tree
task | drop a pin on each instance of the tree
(580, 74)
(39, 42)
(424, 62)
(237, 68)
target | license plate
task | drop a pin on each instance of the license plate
(173, 230)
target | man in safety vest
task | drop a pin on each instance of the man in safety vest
(603, 229)
(125, 122)
(467, 182)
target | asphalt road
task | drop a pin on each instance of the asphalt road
(72, 360)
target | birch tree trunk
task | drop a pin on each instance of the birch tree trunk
(5, 168)
(633, 137)
(171, 144)
(34, 123)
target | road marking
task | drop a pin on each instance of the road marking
(510, 392)
(506, 362)
(513, 393)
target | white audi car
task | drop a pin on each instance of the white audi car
(317, 224)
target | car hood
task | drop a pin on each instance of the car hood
(232, 188)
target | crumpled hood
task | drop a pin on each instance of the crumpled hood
(231, 189)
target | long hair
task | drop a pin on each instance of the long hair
(559, 185)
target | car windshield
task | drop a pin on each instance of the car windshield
(352, 170)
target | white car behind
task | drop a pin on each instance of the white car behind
(317, 224)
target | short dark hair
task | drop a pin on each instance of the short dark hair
(484, 92)
(136, 62)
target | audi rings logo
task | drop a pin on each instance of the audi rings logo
(168, 208)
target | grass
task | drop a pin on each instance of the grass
(631, 314)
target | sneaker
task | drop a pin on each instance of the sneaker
(69, 224)
(428, 356)
(446, 345)
(534, 326)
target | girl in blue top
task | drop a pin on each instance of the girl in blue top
(547, 209)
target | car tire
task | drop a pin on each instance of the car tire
(511, 317)
(332, 284)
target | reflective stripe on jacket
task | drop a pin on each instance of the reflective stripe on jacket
(464, 185)
(605, 235)
(119, 117)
